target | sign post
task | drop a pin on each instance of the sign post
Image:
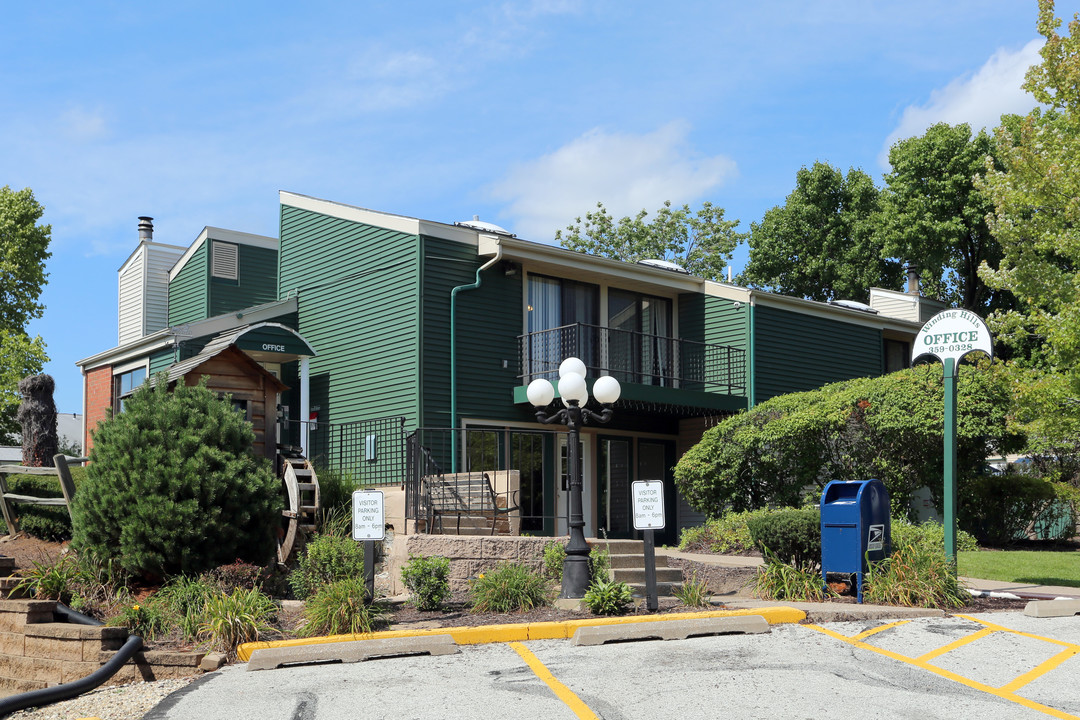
(949, 336)
(649, 517)
(368, 526)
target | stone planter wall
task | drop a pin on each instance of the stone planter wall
(36, 652)
(470, 554)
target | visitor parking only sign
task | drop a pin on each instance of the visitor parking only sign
(368, 517)
(648, 505)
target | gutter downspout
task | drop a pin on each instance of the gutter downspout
(453, 347)
(750, 353)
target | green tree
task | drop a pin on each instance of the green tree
(933, 212)
(1036, 218)
(821, 244)
(887, 427)
(702, 242)
(24, 247)
(173, 486)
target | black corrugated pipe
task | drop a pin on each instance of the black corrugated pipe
(69, 690)
(74, 616)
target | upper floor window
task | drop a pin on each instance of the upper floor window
(124, 384)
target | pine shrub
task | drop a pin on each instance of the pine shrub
(174, 488)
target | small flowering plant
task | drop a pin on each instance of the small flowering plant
(510, 587)
(143, 619)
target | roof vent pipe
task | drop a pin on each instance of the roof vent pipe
(912, 278)
(146, 228)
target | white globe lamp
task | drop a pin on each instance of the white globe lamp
(540, 392)
(572, 365)
(606, 390)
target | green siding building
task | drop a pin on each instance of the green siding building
(442, 326)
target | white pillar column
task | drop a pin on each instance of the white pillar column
(305, 403)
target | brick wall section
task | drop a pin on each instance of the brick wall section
(470, 554)
(98, 393)
(36, 652)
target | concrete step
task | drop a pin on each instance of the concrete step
(7, 565)
(7, 587)
(620, 547)
(635, 561)
(663, 589)
(631, 576)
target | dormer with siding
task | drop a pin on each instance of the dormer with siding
(222, 271)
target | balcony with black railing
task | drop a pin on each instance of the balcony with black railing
(635, 357)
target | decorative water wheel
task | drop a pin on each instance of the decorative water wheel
(301, 488)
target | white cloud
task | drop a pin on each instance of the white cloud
(979, 99)
(626, 172)
(81, 124)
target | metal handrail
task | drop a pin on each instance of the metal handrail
(636, 357)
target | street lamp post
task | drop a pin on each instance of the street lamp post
(575, 394)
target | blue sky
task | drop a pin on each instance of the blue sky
(524, 113)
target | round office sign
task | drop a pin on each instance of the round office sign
(953, 334)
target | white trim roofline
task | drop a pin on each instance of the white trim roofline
(167, 337)
(400, 223)
(216, 233)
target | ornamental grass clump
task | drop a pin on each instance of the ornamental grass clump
(776, 580)
(693, 592)
(428, 579)
(917, 574)
(239, 617)
(509, 587)
(174, 487)
(342, 607)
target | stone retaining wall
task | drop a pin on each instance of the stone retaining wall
(470, 554)
(36, 652)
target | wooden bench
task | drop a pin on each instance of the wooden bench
(62, 472)
(468, 495)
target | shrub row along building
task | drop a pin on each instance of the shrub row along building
(358, 334)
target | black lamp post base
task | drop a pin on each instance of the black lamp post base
(575, 578)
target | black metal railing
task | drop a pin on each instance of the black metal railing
(634, 357)
(371, 452)
(513, 459)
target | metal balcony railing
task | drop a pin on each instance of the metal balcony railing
(634, 357)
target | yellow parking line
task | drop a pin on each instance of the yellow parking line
(562, 692)
(957, 643)
(873, 631)
(1002, 628)
(1040, 670)
(1003, 694)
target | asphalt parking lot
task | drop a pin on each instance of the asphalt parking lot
(997, 664)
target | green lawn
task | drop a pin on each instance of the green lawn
(1022, 566)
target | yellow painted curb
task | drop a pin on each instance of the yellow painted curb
(561, 630)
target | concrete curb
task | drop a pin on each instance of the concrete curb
(356, 651)
(675, 630)
(1062, 607)
(562, 630)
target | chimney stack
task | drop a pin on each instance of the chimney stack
(912, 278)
(146, 228)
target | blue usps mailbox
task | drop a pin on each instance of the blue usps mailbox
(854, 529)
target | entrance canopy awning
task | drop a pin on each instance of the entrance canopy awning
(266, 342)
